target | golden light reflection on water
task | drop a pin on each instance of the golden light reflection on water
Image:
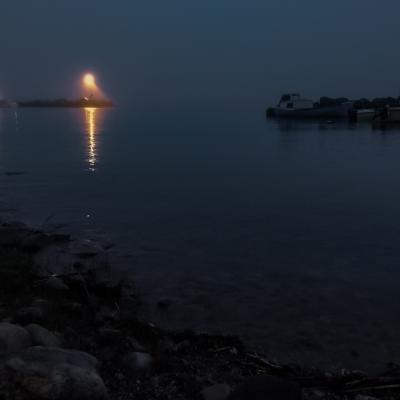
(91, 123)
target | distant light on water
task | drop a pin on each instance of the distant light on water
(92, 114)
(91, 130)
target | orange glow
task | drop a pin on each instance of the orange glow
(89, 81)
(91, 90)
(91, 129)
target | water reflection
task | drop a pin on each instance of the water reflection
(91, 124)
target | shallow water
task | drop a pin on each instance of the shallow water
(283, 232)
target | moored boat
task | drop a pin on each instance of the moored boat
(294, 106)
(387, 114)
(366, 114)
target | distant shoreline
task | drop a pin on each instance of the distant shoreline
(59, 103)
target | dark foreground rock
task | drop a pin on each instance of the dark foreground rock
(42, 337)
(267, 387)
(219, 391)
(52, 373)
(13, 338)
(69, 330)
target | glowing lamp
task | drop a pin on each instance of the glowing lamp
(89, 81)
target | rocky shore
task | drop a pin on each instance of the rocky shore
(69, 329)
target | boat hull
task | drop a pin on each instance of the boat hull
(365, 115)
(392, 116)
(340, 111)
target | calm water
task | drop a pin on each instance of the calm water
(285, 233)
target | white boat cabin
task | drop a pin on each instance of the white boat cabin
(295, 102)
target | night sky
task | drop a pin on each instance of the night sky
(213, 52)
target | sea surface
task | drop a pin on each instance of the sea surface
(286, 233)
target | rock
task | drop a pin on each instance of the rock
(75, 383)
(85, 248)
(109, 354)
(182, 346)
(127, 315)
(27, 315)
(314, 394)
(55, 284)
(216, 392)
(164, 304)
(51, 373)
(15, 225)
(363, 397)
(12, 235)
(42, 337)
(109, 335)
(128, 304)
(165, 346)
(13, 337)
(106, 314)
(42, 303)
(266, 387)
(50, 356)
(35, 241)
(135, 345)
(138, 362)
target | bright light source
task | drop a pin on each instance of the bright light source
(89, 81)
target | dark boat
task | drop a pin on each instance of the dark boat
(294, 106)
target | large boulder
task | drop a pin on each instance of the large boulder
(47, 357)
(42, 337)
(13, 338)
(51, 373)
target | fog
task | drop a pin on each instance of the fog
(223, 53)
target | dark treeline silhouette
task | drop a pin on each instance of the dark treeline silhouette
(358, 104)
(378, 102)
(80, 103)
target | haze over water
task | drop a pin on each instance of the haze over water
(283, 232)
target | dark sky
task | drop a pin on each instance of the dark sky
(180, 52)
